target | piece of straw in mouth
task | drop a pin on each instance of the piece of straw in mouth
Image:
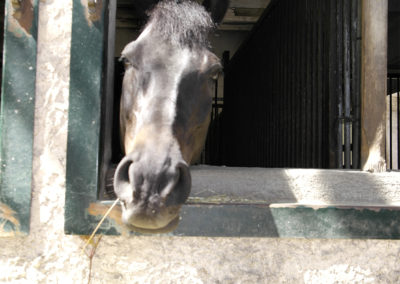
(99, 224)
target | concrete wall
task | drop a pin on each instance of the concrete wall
(49, 256)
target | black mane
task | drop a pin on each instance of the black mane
(186, 23)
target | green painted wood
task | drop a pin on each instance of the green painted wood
(16, 119)
(87, 45)
(256, 220)
(289, 222)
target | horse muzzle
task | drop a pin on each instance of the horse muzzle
(151, 192)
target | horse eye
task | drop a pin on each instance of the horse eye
(214, 75)
(127, 63)
(215, 71)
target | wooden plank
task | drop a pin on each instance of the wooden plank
(263, 220)
(231, 17)
(249, 3)
(373, 84)
(17, 116)
(83, 146)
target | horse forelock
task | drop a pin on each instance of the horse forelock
(186, 23)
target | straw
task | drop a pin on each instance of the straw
(99, 224)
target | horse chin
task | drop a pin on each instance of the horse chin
(171, 226)
(166, 221)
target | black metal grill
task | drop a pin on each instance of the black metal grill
(292, 91)
(393, 131)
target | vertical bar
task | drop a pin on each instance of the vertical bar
(346, 79)
(339, 46)
(279, 91)
(273, 92)
(314, 83)
(320, 79)
(311, 80)
(390, 125)
(333, 97)
(303, 114)
(326, 90)
(398, 122)
(107, 95)
(355, 84)
(284, 102)
(286, 84)
(291, 88)
(295, 82)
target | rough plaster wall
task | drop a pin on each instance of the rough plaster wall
(48, 256)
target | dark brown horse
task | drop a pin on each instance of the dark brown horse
(165, 110)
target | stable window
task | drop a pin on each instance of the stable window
(17, 112)
(311, 75)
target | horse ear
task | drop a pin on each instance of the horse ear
(217, 8)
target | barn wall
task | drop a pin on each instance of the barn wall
(49, 256)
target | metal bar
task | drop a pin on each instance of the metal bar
(325, 89)
(398, 122)
(339, 46)
(310, 120)
(288, 86)
(390, 125)
(319, 93)
(107, 95)
(355, 84)
(313, 74)
(275, 98)
(333, 98)
(346, 79)
(301, 92)
(282, 69)
(295, 89)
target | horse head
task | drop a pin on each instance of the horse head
(165, 110)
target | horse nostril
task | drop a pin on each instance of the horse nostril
(181, 189)
(123, 179)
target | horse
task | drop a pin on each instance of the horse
(165, 110)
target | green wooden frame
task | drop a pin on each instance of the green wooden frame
(17, 115)
(199, 217)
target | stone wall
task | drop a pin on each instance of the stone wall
(49, 256)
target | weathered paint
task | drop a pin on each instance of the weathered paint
(84, 115)
(268, 220)
(9, 224)
(17, 110)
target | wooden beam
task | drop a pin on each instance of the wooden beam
(235, 27)
(230, 17)
(249, 4)
(373, 84)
